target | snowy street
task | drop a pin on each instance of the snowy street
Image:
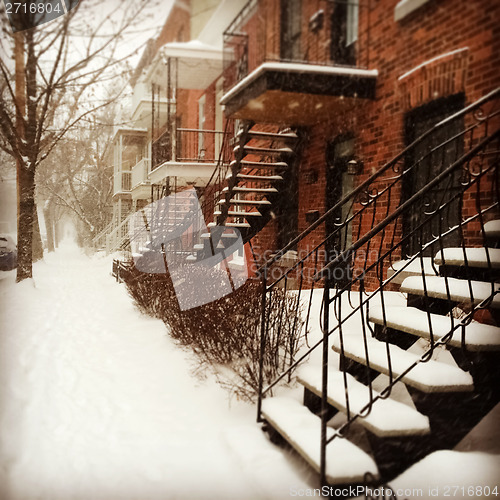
(98, 403)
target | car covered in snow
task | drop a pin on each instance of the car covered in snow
(8, 252)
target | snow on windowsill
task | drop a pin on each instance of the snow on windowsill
(405, 7)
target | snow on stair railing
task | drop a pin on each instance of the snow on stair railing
(379, 223)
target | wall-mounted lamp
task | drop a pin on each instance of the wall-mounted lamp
(354, 167)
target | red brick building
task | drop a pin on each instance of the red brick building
(360, 81)
(355, 141)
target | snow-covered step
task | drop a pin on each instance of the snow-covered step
(431, 376)
(234, 201)
(236, 213)
(478, 337)
(476, 257)
(492, 229)
(259, 164)
(256, 150)
(256, 134)
(345, 462)
(259, 178)
(237, 224)
(198, 246)
(242, 189)
(410, 268)
(387, 416)
(459, 289)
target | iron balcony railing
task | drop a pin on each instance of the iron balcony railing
(380, 223)
(188, 145)
(122, 182)
(337, 34)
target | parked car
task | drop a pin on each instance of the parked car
(8, 252)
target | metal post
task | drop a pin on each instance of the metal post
(263, 327)
(324, 381)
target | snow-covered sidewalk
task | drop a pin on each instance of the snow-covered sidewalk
(98, 403)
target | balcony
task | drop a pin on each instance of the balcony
(302, 75)
(145, 104)
(140, 181)
(122, 182)
(188, 154)
(192, 65)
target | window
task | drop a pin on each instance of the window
(344, 32)
(352, 23)
(291, 28)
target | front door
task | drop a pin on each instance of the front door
(426, 220)
(339, 183)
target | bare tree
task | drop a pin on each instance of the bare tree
(61, 67)
(77, 179)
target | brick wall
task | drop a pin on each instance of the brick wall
(434, 33)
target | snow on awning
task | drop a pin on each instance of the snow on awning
(198, 64)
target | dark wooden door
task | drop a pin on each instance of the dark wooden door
(439, 210)
(338, 184)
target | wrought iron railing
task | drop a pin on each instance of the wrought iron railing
(382, 221)
(162, 149)
(122, 182)
(195, 145)
(337, 34)
(188, 145)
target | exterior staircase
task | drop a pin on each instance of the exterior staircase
(408, 378)
(260, 165)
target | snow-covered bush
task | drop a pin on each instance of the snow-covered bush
(225, 333)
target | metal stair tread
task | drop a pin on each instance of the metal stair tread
(256, 178)
(431, 376)
(236, 224)
(406, 268)
(387, 416)
(239, 214)
(269, 135)
(492, 229)
(259, 164)
(262, 150)
(476, 257)
(234, 201)
(345, 462)
(243, 189)
(459, 289)
(478, 336)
